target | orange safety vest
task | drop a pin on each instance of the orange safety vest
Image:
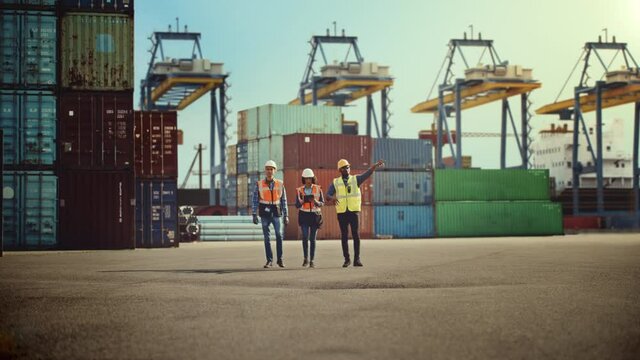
(268, 196)
(307, 206)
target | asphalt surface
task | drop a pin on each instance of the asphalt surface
(571, 297)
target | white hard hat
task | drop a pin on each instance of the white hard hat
(307, 173)
(271, 163)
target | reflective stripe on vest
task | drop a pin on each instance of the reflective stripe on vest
(307, 206)
(347, 200)
(268, 196)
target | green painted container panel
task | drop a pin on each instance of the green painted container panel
(278, 119)
(97, 51)
(491, 185)
(498, 218)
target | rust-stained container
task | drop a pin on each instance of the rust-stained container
(322, 151)
(242, 126)
(156, 144)
(96, 51)
(293, 179)
(232, 160)
(330, 228)
(96, 209)
(96, 130)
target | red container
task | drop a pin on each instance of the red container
(330, 228)
(96, 130)
(581, 222)
(293, 179)
(155, 144)
(96, 209)
(322, 151)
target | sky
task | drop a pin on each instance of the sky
(264, 46)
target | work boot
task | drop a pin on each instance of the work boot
(357, 262)
(280, 263)
(268, 264)
(305, 262)
(311, 264)
(347, 262)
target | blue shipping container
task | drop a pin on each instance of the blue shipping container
(34, 3)
(231, 191)
(28, 45)
(403, 154)
(28, 119)
(29, 210)
(402, 187)
(156, 213)
(408, 221)
(243, 157)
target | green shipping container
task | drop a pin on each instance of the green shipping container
(498, 218)
(491, 185)
(97, 52)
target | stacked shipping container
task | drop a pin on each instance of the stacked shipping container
(95, 152)
(514, 202)
(403, 195)
(28, 103)
(156, 168)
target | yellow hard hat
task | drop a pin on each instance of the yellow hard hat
(343, 163)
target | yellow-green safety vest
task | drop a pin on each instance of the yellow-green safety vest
(347, 200)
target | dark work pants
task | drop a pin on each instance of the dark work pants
(345, 220)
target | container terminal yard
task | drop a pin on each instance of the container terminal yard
(251, 179)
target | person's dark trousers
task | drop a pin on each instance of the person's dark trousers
(345, 220)
(309, 234)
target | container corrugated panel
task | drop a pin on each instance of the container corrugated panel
(322, 151)
(156, 213)
(270, 148)
(28, 119)
(402, 187)
(491, 185)
(97, 52)
(112, 6)
(156, 144)
(29, 210)
(97, 209)
(252, 123)
(96, 130)
(331, 228)
(241, 131)
(282, 119)
(232, 159)
(29, 3)
(324, 177)
(404, 221)
(498, 218)
(243, 157)
(403, 154)
(253, 157)
(28, 48)
(231, 191)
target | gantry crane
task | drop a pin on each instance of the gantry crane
(339, 84)
(481, 85)
(175, 83)
(620, 87)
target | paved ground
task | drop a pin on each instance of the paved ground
(556, 297)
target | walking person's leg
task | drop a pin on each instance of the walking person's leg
(276, 228)
(354, 222)
(305, 243)
(267, 245)
(343, 220)
(312, 238)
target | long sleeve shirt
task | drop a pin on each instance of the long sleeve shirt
(256, 199)
(360, 178)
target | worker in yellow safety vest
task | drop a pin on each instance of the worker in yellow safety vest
(345, 192)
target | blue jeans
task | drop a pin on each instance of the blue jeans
(309, 234)
(266, 221)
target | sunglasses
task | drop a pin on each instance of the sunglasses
(346, 167)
